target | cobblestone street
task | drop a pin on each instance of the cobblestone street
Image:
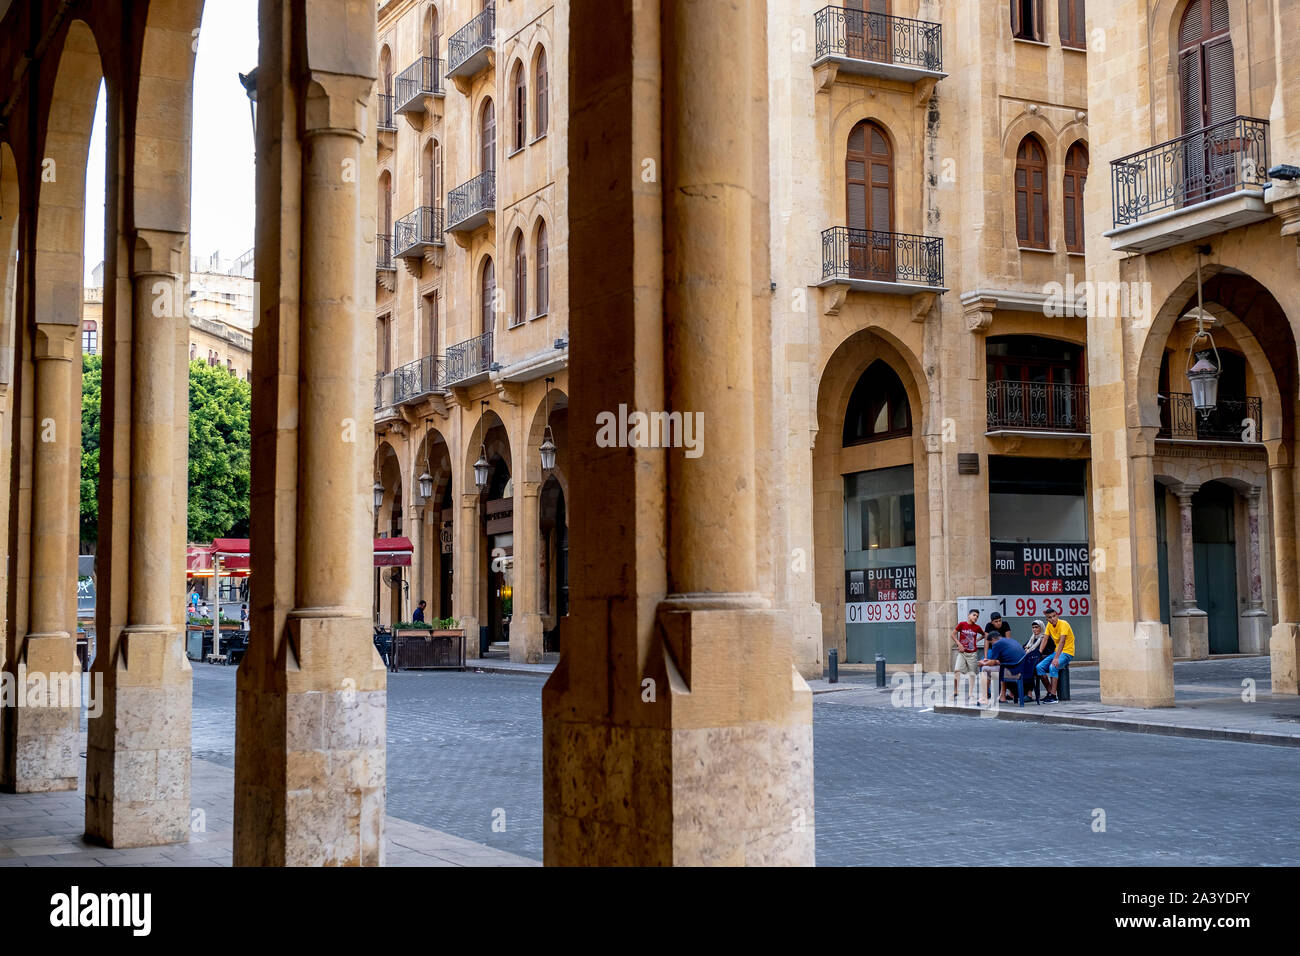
(893, 787)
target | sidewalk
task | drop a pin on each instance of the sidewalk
(45, 829)
(1211, 702)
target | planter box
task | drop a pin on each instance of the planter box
(420, 649)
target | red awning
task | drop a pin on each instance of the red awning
(392, 552)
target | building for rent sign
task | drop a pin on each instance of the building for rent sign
(883, 595)
(1030, 578)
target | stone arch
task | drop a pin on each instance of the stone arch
(431, 30)
(489, 434)
(431, 161)
(386, 69)
(516, 75)
(538, 53)
(392, 473)
(164, 116)
(436, 459)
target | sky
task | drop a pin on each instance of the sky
(222, 178)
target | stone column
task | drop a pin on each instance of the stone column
(1284, 643)
(1254, 627)
(416, 534)
(1190, 626)
(310, 736)
(678, 681)
(525, 620)
(41, 737)
(138, 753)
(467, 576)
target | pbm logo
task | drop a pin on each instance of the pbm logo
(74, 909)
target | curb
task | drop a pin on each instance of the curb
(1133, 726)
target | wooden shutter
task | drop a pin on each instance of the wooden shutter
(1220, 82)
(521, 279)
(543, 271)
(882, 182)
(488, 150)
(855, 171)
(1031, 194)
(1071, 19)
(543, 93)
(489, 289)
(1076, 175)
(1015, 18)
(521, 107)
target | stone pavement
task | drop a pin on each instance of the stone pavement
(1219, 699)
(45, 829)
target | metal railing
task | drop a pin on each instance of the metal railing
(467, 359)
(1038, 406)
(385, 120)
(879, 37)
(472, 37)
(422, 76)
(881, 256)
(384, 251)
(473, 197)
(383, 390)
(1232, 420)
(1215, 161)
(421, 227)
(417, 379)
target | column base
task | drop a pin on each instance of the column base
(310, 748)
(1253, 632)
(1190, 632)
(806, 641)
(1284, 649)
(1137, 667)
(525, 639)
(470, 626)
(138, 750)
(712, 764)
(43, 697)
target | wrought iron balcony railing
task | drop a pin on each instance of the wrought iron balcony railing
(474, 37)
(383, 390)
(1037, 406)
(880, 38)
(1232, 420)
(421, 78)
(384, 251)
(472, 199)
(385, 119)
(423, 227)
(865, 254)
(1218, 160)
(417, 379)
(467, 359)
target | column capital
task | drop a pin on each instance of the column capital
(158, 252)
(336, 104)
(979, 313)
(1142, 441)
(416, 513)
(55, 341)
(530, 489)
(1184, 493)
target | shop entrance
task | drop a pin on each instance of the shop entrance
(1215, 553)
(880, 565)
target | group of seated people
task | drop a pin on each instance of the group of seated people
(1053, 642)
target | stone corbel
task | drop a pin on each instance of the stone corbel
(509, 392)
(824, 76)
(414, 266)
(463, 239)
(925, 90)
(1011, 443)
(387, 278)
(1142, 441)
(833, 297)
(1284, 200)
(399, 426)
(1076, 446)
(433, 256)
(460, 395)
(922, 303)
(979, 315)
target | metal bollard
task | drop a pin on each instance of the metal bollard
(833, 662)
(1063, 685)
(880, 670)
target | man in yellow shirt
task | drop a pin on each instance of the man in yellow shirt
(1063, 635)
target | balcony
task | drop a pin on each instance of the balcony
(384, 253)
(1236, 421)
(894, 263)
(417, 380)
(470, 48)
(877, 44)
(1038, 408)
(383, 390)
(385, 121)
(472, 204)
(415, 85)
(1198, 185)
(468, 361)
(417, 234)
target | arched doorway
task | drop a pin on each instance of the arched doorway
(1214, 545)
(498, 532)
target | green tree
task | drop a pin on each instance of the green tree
(91, 368)
(220, 410)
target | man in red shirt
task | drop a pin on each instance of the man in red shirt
(964, 636)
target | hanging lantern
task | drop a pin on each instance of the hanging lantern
(1204, 376)
(426, 485)
(379, 495)
(482, 468)
(548, 451)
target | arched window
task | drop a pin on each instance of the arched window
(1027, 19)
(520, 313)
(520, 88)
(432, 173)
(488, 293)
(869, 183)
(431, 37)
(386, 203)
(878, 408)
(1076, 175)
(1031, 194)
(542, 88)
(543, 270)
(487, 138)
(386, 70)
(1074, 31)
